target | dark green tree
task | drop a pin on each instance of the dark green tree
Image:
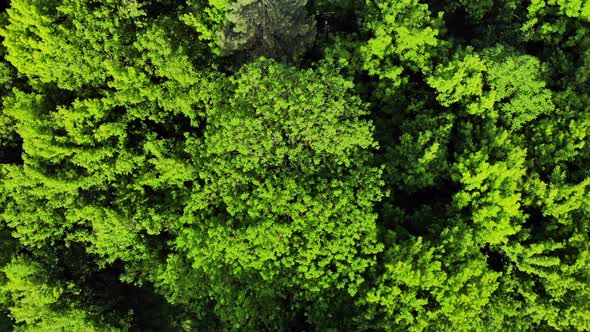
(278, 29)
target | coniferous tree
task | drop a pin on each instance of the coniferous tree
(276, 29)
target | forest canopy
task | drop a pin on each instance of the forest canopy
(294, 165)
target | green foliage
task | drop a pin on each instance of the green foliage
(66, 42)
(207, 18)
(36, 304)
(497, 85)
(539, 25)
(277, 29)
(326, 165)
(252, 28)
(491, 191)
(404, 35)
(422, 288)
(293, 196)
(419, 160)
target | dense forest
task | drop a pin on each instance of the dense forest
(295, 165)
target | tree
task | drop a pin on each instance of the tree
(37, 305)
(286, 194)
(404, 36)
(276, 29)
(248, 29)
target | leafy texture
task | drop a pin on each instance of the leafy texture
(294, 165)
